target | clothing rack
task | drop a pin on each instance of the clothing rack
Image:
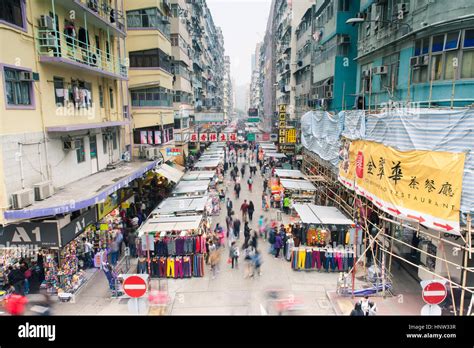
(322, 259)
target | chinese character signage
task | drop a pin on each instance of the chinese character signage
(233, 137)
(282, 124)
(213, 137)
(203, 137)
(424, 186)
(194, 138)
(291, 136)
(173, 152)
(222, 137)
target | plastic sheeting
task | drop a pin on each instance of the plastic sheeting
(320, 133)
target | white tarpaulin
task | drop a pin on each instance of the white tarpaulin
(288, 173)
(170, 223)
(191, 187)
(175, 205)
(274, 155)
(170, 173)
(199, 175)
(317, 214)
(301, 185)
(214, 163)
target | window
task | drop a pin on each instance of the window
(452, 41)
(101, 96)
(344, 5)
(148, 18)
(154, 58)
(467, 66)
(114, 140)
(93, 146)
(469, 38)
(437, 45)
(436, 67)
(18, 89)
(158, 96)
(11, 12)
(59, 90)
(111, 96)
(390, 80)
(449, 71)
(80, 152)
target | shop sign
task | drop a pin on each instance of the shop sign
(425, 186)
(213, 137)
(251, 137)
(170, 152)
(77, 226)
(253, 120)
(112, 202)
(194, 138)
(31, 234)
(233, 137)
(253, 112)
(265, 137)
(222, 137)
(273, 137)
(291, 136)
(203, 137)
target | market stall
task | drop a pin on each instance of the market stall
(211, 164)
(200, 175)
(323, 240)
(299, 191)
(275, 155)
(175, 246)
(170, 173)
(181, 206)
(191, 188)
(290, 174)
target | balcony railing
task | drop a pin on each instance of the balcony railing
(106, 12)
(54, 46)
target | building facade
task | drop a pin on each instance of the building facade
(228, 90)
(416, 51)
(65, 81)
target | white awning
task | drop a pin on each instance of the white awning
(274, 154)
(170, 173)
(287, 173)
(199, 175)
(208, 164)
(170, 223)
(191, 187)
(174, 205)
(317, 214)
(302, 185)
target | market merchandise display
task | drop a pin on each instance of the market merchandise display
(177, 267)
(322, 259)
(70, 277)
(51, 282)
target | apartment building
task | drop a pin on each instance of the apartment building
(64, 112)
(415, 51)
(228, 90)
(151, 79)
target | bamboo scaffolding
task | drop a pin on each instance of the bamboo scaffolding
(449, 276)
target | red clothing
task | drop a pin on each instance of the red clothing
(16, 304)
(244, 208)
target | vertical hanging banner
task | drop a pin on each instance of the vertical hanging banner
(222, 137)
(203, 137)
(424, 186)
(194, 138)
(213, 137)
(282, 124)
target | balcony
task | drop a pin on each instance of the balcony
(57, 48)
(98, 12)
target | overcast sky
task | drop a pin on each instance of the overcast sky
(243, 24)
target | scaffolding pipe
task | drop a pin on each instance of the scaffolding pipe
(449, 276)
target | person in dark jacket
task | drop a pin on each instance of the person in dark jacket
(16, 278)
(246, 235)
(278, 245)
(250, 210)
(132, 243)
(237, 228)
(254, 240)
(357, 311)
(242, 170)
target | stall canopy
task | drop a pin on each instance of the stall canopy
(317, 214)
(301, 185)
(176, 205)
(191, 186)
(208, 164)
(274, 154)
(287, 173)
(267, 146)
(199, 175)
(170, 173)
(170, 223)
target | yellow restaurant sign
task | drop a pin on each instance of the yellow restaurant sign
(424, 186)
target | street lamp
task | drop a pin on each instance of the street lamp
(358, 20)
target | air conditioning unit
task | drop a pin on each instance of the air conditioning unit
(46, 22)
(344, 40)
(69, 145)
(43, 190)
(151, 153)
(414, 61)
(26, 76)
(22, 199)
(424, 60)
(328, 95)
(380, 70)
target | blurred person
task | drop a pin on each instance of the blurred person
(261, 221)
(229, 206)
(244, 209)
(372, 309)
(249, 253)
(234, 255)
(250, 183)
(16, 278)
(15, 304)
(264, 201)
(278, 245)
(357, 311)
(246, 235)
(257, 263)
(214, 260)
(229, 224)
(237, 228)
(237, 190)
(242, 170)
(132, 243)
(251, 210)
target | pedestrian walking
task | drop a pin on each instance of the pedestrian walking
(229, 206)
(251, 210)
(357, 311)
(237, 228)
(242, 170)
(249, 253)
(237, 190)
(16, 278)
(254, 240)
(265, 185)
(261, 221)
(234, 255)
(256, 263)
(264, 200)
(214, 259)
(250, 182)
(244, 209)
(286, 205)
(229, 224)
(278, 245)
(132, 243)
(246, 235)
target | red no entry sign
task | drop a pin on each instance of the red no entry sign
(134, 286)
(434, 293)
